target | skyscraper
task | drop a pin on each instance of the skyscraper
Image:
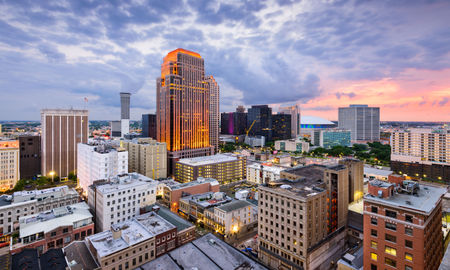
(149, 126)
(234, 123)
(259, 118)
(62, 130)
(125, 113)
(294, 111)
(214, 113)
(363, 121)
(30, 156)
(182, 106)
(281, 125)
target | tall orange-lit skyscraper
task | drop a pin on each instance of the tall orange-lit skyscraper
(182, 106)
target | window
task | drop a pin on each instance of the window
(391, 214)
(53, 234)
(390, 238)
(374, 233)
(409, 218)
(390, 262)
(373, 221)
(409, 231)
(373, 267)
(408, 267)
(391, 226)
(373, 244)
(408, 257)
(65, 230)
(390, 250)
(374, 209)
(373, 256)
(408, 244)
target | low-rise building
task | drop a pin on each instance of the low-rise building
(9, 164)
(99, 160)
(235, 217)
(263, 173)
(292, 145)
(173, 191)
(328, 138)
(225, 168)
(255, 141)
(120, 198)
(25, 203)
(193, 207)
(132, 243)
(55, 228)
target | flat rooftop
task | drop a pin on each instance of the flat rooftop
(304, 187)
(78, 251)
(312, 172)
(234, 205)
(210, 253)
(273, 169)
(207, 160)
(425, 201)
(26, 195)
(207, 199)
(376, 172)
(173, 218)
(200, 180)
(133, 231)
(122, 182)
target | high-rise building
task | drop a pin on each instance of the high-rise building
(240, 109)
(62, 130)
(214, 112)
(182, 106)
(281, 125)
(233, 123)
(30, 156)
(124, 113)
(9, 164)
(146, 156)
(421, 153)
(355, 178)
(328, 138)
(363, 121)
(98, 160)
(149, 126)
(259, 121)
(294, 111)
(403, 225)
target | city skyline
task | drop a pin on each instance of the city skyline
(319, 55)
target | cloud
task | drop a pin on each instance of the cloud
(349, 95)
(443, 101)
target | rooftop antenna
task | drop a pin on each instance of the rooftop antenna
(85, 103)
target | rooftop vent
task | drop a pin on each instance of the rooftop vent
(285, 186)
(380, 194)
(408, 203)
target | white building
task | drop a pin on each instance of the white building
(120, 198)
(292, 145)
(269, 173)
(255, 141)
(98, 160)
(9, 164)
(25, 203)
(232, 217)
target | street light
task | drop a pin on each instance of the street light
(52, 174)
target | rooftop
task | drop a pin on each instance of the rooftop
(273, 169)
(314, 120)
(57, 217)
(133, 231)
(122, 182)
(313, 172)
(207, 160)
(200, 180)
(304, 187)
(425, 200)
(79, 253)
(174, 219)
(353, 261)
(234, 205)
(55, 192)
(209, 252)
(374, 171)
(207, 199)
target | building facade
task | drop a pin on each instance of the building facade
(124, 113)
(120, 198)
(403, 225)
(281, 125)
(235, 217)
(98, 160)
(55, 228)
(182, 106)
(292, 145)
(259, 121)
(328, 138)
(224, 168)
(146, 156)
(294, 112)
(355, 178)
(261, 173)
(363, 122)
(233, 123)
(62, 130)
(149, 126)
(214, 113)
(421, 153)
(9, 164)
(30, 156)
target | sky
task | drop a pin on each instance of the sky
(320, 55)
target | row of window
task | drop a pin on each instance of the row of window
(393, 214)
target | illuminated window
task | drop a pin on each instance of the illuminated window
(391, 251)
(408, 257)
(373, 244)
(373, 256)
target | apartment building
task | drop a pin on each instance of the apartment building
(147, 157)
(99, 160)
(363, 122)
(263, 173)
(235, 217)
(9, 164)
(403, 225)
(193, 207)
(26, 203)
(224, 168)
(421, 153)
(173, 191)
(132, 243)
(120, 198)
(55, 228)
